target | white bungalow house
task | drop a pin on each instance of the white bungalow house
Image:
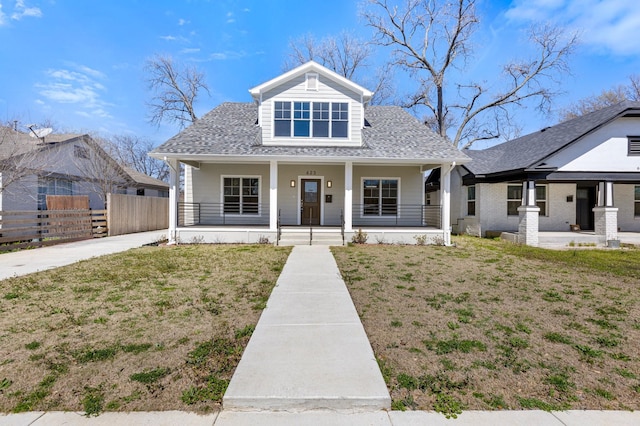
(582, 174)
(308, 155)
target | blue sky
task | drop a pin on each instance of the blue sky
(79, 63)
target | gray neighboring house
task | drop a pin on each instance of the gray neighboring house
(582, 174)
(63, 164)
(308, 151)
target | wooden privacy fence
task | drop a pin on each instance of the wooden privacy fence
(131, 213)
(20, 229)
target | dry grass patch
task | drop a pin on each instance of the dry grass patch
(490, 325)
(156, 328)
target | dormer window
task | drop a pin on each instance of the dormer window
(311, 119)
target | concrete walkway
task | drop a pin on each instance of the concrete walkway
(309, 350)
(28, 261)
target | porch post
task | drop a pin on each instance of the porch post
(445, 218)
(174, 185)
(606, 215)
(273, 196)
(529, 213)
(348, 196)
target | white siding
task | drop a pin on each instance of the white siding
(603, 150)
(624, 200)
(328, 91)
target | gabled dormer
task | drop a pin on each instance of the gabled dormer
(311, 105)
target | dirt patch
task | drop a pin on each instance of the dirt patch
(156, 328)
(486, 325)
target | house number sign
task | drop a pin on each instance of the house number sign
(311, 172)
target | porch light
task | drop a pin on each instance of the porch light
(292, 183)
(329, 184)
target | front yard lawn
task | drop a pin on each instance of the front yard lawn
(489, 325)
(155, 328)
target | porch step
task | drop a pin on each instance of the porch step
(299, 238)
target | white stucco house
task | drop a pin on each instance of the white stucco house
(582, 174)
(308, 152)
(63, 164)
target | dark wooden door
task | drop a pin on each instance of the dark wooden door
(585, 202)
(310, 205)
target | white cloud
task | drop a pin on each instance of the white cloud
(190, 50)
(182, 22)
(168, 38)
(3, 17)
(20, 10)
(608, 25)
(78, 85)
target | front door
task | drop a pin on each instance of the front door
(585, 202)
(310, 202)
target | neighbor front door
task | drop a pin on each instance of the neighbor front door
(585, 202)
(310, 202)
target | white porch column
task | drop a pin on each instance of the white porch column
(529, 214)
(273, 195)
(606, 215)
(348, 196)
(445, 201)
(174, 187)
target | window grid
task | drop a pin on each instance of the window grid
(636, 208)
(380, 197)
(311, 119)
(241, 195)
(514, 199)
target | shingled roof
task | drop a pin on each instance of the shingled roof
(231, 130)
(528, 151)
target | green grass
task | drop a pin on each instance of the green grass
(150, 376)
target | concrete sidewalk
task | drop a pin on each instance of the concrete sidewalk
(309, 350)
(40, 259)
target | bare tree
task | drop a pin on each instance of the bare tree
(20, 157)
(132, 151)
(431, 39)
(101, 173)
(608, 97)
(175, 88)
(348, 56)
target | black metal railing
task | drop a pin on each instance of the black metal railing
(279, 230)
(397, 215)
(342, 225)
(255, 214)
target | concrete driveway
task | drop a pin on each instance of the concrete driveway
(28, 261)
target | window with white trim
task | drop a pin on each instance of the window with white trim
(636, 201)
(380, 197)
(241, 195)
(471, 200)
(311, 119)
(514, 199)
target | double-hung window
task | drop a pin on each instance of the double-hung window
(241, 195)
(471, 200)
(636, 203)
(514, 199)
(311, 119)
(380, 197)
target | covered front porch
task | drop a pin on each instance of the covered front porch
(258, 201)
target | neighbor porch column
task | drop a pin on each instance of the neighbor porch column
(348, 196)
(174, 185)
(529, 213)
(445, 201)
(606, 215)
(273, 195)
